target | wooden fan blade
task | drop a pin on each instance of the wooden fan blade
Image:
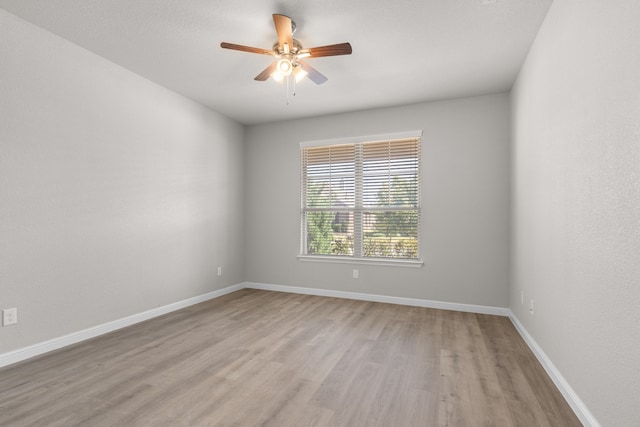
(284, 30)
(312, 73)
(249, 49)
(266, 73)
(331, 50)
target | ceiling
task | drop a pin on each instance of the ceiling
(405, 51)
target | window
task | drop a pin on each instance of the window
(361, 198)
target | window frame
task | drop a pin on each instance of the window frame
(358, 232)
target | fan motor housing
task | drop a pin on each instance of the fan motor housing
(293, 50)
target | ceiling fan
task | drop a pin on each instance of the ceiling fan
(289, 54)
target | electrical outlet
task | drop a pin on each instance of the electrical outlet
(356, 274)
(531, 307)
(219, 271)
(9, 316)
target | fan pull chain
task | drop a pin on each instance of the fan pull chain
(290, 87)
(287, 79)
(294, 86)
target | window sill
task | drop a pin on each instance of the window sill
(367, 261)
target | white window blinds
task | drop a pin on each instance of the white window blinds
(362, 199)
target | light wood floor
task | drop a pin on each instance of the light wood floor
(275, 359)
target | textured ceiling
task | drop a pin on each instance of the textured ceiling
(404, 51)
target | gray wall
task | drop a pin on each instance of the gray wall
(576, 201)
(116, 195)
(465, 200)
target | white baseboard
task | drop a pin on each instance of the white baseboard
(480, 309)
(73, 338)
(572, 398)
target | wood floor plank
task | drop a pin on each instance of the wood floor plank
(330, 394)
(357, 407)
(487, 401)
(455, 407)
(276, 359)
(519, 395)
(310, 416)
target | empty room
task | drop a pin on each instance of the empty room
(336, 213)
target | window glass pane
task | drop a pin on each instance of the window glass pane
(329, 233)
(390, 234)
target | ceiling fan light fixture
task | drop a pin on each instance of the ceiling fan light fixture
(277, 76)
(299, 73)
(285, 66)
